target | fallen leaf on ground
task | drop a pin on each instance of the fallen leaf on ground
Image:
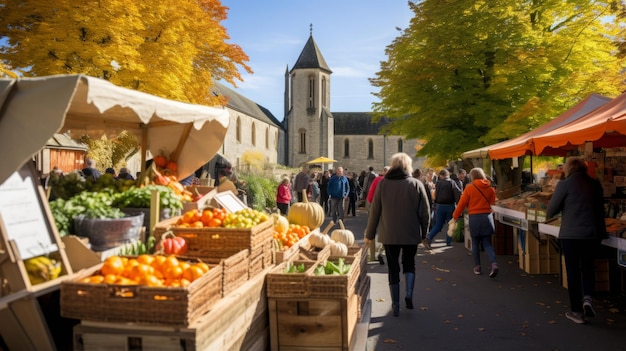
(447, 321)
(460, 316)
(380, 299)
(390, 341)
(552, 321)
(442, 270)
(613, 310)
(481, 329)
(424, 308)
(438, 279)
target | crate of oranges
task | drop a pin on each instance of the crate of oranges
(145, 289)
(216, 233)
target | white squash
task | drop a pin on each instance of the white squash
(281, 224)
(343, 235)
(320, 240)
(338, 249)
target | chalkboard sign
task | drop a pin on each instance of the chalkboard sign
(23, 216)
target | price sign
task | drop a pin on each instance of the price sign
(22, 214)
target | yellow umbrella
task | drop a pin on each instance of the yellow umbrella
(321, 159)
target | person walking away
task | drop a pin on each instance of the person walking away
(315, 188)
(374, 249)
(368, 182)
(324, 191)
(338, 190)
(463, 177)
(398, 214)
(283, 196)
(478, 198)
(417, 174)
(353, 194)
(579, 200)
(124, 174)
(447, 193)
(301, 183)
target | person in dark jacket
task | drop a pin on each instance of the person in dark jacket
(90, 169)
(447, 193)
(323, 181)
(399, 213)
(338, 190)
(353, 182)
(579, 199)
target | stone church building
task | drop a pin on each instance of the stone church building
(309, 129)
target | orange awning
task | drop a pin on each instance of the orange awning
(604, 126)
(524, 144)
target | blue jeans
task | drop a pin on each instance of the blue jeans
(336, 208)
(443, 214)
(481, 228)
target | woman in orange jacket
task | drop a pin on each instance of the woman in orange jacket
(478, 197)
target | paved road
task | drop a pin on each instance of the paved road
(457, 310)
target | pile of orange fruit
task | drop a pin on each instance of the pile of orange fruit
(208, 218)
(149, 270)
(294, 233)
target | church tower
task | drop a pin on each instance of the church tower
(309, 123)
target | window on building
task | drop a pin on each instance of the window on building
(311, 91)
(302, 133)
(346, 148)
(370, 149)
(253, 134)
(267, 137)
(238, 130)
(324, 91)
(400, 145)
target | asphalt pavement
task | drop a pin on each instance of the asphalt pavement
(457, 310)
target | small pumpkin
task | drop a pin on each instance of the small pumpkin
(310, 214)
(343, 235)
(320, 239)
(338, 249)
(171, 244)
(281, 224)
(172, 166)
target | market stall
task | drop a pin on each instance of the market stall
(32, 111)
(594, 129)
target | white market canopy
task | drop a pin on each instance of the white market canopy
(34, 109)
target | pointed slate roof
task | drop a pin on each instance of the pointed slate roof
(311, 57)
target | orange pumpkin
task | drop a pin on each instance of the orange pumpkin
(160, 161)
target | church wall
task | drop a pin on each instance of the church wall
(234, 149)
(383, 148)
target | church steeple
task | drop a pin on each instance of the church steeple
(311, 57)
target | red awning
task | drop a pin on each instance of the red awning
(524, 144)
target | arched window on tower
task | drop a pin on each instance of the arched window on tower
(370, 149)
(253, 134)
(346, 148)
(324, 91)
(238, 130)
(302, 133)
(267, 137)
(311, 91)
(400, 145)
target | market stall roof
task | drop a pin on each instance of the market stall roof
(34, 109)
(523, 144)
(604, 126)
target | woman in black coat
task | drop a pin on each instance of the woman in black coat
(579, 199)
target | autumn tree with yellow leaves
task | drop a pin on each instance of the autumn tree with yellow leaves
(169, 48)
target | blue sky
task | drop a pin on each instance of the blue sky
(352, 36)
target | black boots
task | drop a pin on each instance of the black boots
(394, 289)
(410, 282)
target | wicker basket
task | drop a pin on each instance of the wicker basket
(106, 233)
(220, 242)
(235, 268)
(281, 284)
(140, 304)
(313, 253)
(336, 286)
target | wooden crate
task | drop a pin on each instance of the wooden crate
(236, 322)
(140, 304)
(235, 268)
(312, 324)
(281, 284)
(336, 286)
(220, 242)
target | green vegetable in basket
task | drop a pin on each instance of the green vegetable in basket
(292, 268)
(141, 197)
(340, 268)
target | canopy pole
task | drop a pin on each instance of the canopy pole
(181, 142)
(144, 146)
